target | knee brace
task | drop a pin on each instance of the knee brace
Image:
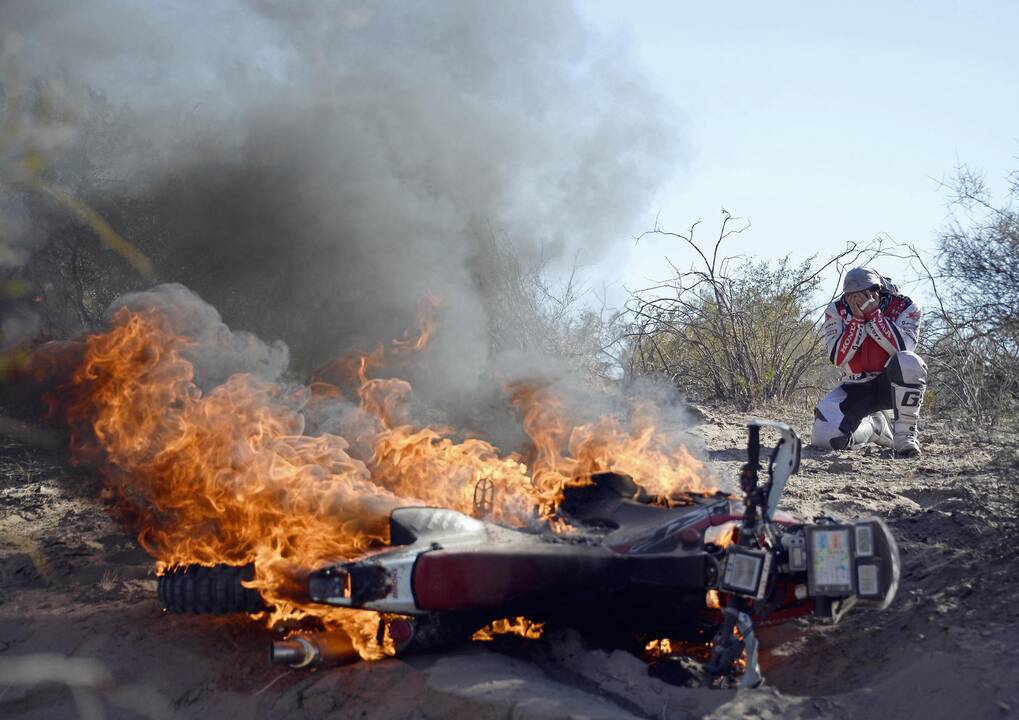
(906, 368)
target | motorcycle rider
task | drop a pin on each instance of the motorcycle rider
(871, 333)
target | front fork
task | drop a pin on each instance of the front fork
(735, 635)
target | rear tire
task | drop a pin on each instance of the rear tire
(208, 590)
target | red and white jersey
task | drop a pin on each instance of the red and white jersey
(860, 347)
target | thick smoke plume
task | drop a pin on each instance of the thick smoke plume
(312, 169)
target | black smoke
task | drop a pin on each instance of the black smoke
(312, 169)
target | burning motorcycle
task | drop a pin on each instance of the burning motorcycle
(614, 565)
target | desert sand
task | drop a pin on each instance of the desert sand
(82, 633)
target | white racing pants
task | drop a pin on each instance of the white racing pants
(839, 416)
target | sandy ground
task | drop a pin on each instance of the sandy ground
(78, 607)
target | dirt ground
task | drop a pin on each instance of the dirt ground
(82, 634)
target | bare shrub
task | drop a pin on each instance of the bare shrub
(531, 308)
(62, 258)
(973, 332)
(735, 329)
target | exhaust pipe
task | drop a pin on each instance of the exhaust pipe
(300, 651)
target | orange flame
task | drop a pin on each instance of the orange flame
(722, 535)
(643, 452)
(510, 626)
(666, 647)
(229, 475)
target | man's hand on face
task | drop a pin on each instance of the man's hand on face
(861, 302)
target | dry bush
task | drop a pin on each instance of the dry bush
(973, 331)
(532, 309)
(738, 330)
(61, 261)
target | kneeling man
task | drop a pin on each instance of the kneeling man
(871, 332)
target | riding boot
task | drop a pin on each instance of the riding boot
(882, 430)
(873, 428)
(907, 400)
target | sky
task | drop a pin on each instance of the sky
(822, 123)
